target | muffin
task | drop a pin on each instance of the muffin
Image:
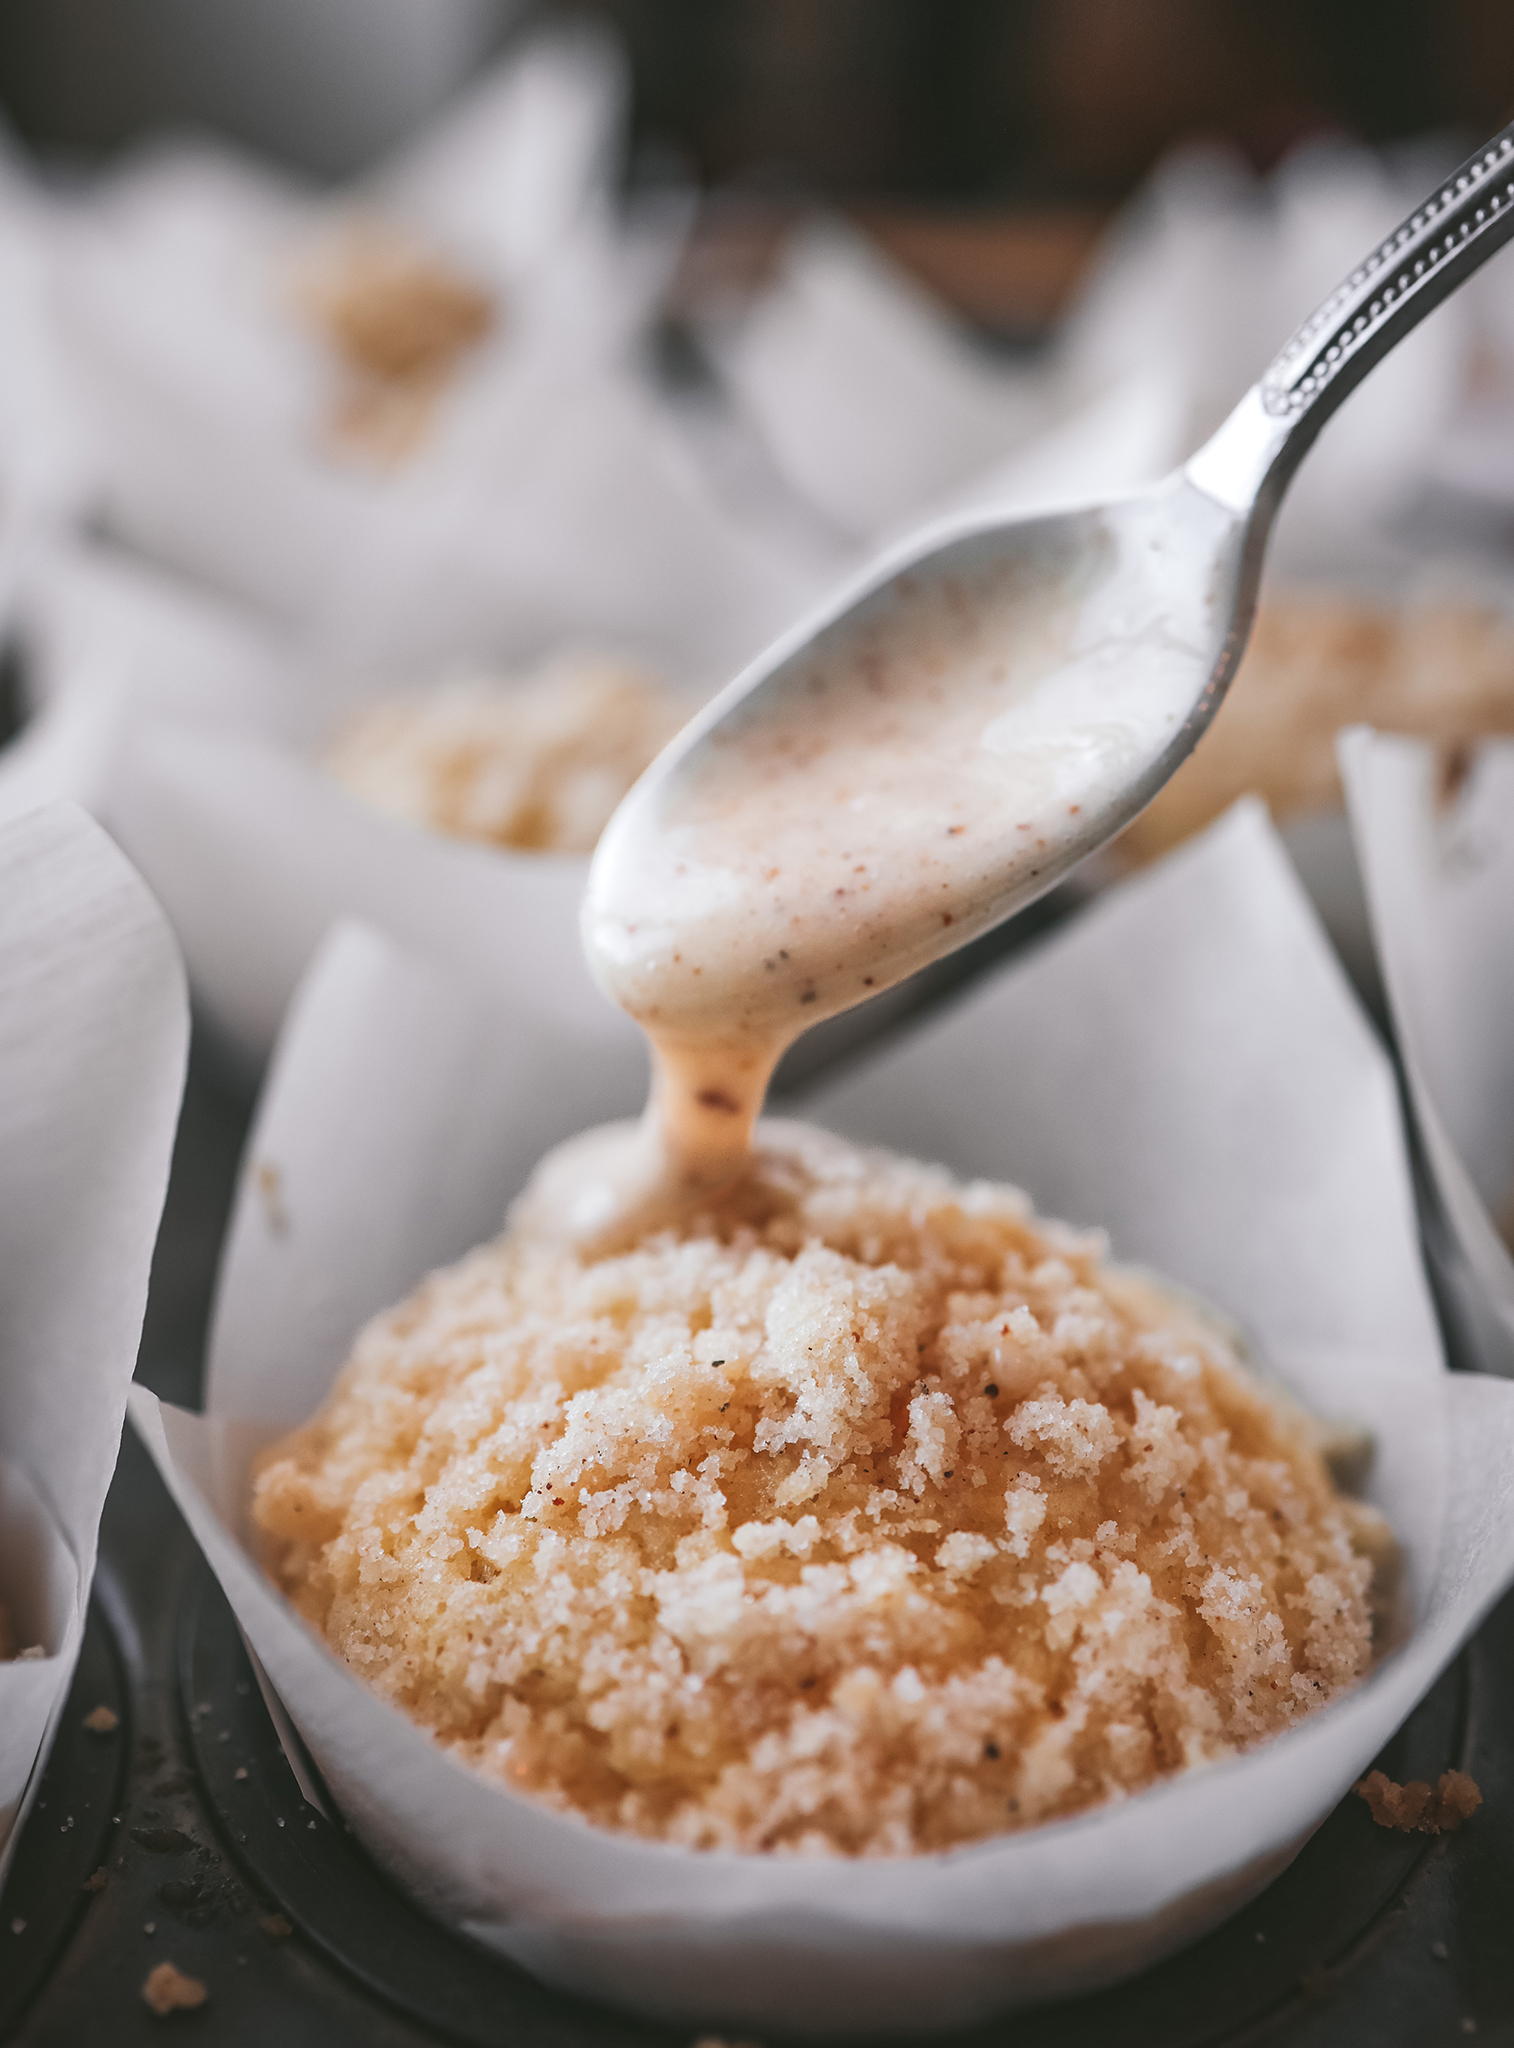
(398, 320)
(864, 1514)
(537, 763)
(1440, 671)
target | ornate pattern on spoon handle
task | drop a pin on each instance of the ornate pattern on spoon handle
(1422, 262)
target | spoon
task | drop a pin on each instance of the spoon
(941, 743)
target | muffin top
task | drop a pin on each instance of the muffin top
(533, 762)
(862, 1513)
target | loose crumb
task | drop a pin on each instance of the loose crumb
(275, 1926)
(97, 1880)
(724, 1541)
(534, 762)
(169, 1990)
(102, 1720)
(1417, 1808)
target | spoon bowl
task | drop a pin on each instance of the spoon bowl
(979, 715)
(970, 719)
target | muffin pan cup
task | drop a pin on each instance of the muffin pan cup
(1184, 1063)
(93, 1036)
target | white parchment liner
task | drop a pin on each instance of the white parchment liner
(106, 644)
(877, 406)
(255, 851)
(1440, 888)
(870, 398)
(552, 486)
(44, 461)
(93, 1035)
(1184, 1063)
(191, 728)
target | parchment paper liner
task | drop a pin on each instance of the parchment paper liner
(45, 469)
(93, 1034)
(1185, 1063)
(875, 404)
(552, 487)
(106, 645)
(255, 851)
(1439, 878)
(192, 729)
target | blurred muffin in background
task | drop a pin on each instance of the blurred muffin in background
(536, 762)
(1439, 670)
(399, 319)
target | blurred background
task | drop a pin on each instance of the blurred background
(355, 351)
(960, 129)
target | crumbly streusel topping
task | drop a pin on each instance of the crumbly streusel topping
(1442, 671)
(536, 762)
(400, 319)
(870, 1514)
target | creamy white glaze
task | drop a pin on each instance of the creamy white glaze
(930, 762)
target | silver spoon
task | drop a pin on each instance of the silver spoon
(940, 744)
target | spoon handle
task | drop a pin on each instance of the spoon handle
(1449, 234)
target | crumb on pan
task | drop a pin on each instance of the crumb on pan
(168, 1990)
(1440, 671)
(536, 762)
(870, 1514)
(1417, 1808)
(102, 1720)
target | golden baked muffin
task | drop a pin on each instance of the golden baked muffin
(399, 320)
(865, 1513)
(1442, 672)
(537, 763)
